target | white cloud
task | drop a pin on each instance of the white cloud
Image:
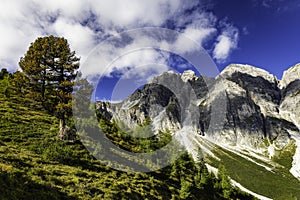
(226, 42)
(72, 9)
(80, 37)
(131, 13)
(222, 48)
(108, 58)
(199, 35)
(18, 30)
(83, 23)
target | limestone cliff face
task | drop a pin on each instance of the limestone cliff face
(290, 101)
(257, 105)
(254, 100)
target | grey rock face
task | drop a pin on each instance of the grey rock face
(290, 75)
(257, 105)
(260, 86)
(254, 112)
(244, 122)
(290, 102)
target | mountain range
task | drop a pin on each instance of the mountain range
(245, 118)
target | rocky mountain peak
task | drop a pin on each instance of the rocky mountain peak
(188, 75)
(290, 75)
(250, 70)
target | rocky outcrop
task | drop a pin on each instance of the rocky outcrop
(290, 102)
(189, 75)
(290, 75)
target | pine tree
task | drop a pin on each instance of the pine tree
(51, 68)
(225, 181)
(185, 190)
(3, 73)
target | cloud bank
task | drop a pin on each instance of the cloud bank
(86, 23)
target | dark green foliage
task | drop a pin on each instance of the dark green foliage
(16, 185)
(203, 179)
(3, 73)
(185, 190)
(196, 182)
(225, 182)
(51, 68)
(130, 143)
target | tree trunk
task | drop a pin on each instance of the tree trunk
(61, 131)
(43, 85)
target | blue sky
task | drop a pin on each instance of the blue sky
(269, 33)
(262, 33)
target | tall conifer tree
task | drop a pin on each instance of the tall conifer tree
(51, 68)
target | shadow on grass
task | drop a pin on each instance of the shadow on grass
(17, 186)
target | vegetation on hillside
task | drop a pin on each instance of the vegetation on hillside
(36, 164)
(277, 184)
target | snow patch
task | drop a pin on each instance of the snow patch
(295, 169)
(212, 169)
(271, 151)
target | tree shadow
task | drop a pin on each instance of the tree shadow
(17, 186)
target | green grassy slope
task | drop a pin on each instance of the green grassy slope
(276, 184)
(34, 164)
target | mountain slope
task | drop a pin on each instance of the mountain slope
(35, 164)
(245, 115)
